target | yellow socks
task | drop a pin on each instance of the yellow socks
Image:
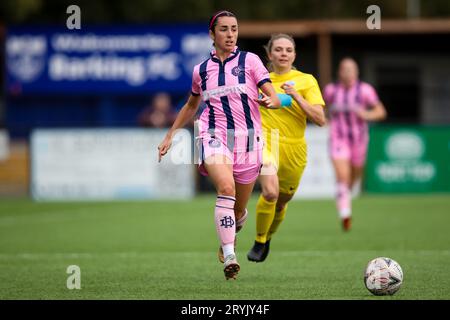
(265, 213)
(279, 217)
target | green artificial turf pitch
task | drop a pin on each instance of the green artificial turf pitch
(168, 250)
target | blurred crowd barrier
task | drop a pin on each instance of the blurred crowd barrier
(109, 164)
(121, 164)
(14, 166)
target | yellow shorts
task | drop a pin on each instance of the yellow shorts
(290, 164)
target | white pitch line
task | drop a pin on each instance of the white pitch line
(127, 255)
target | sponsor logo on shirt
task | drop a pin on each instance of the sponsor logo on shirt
(224, 91)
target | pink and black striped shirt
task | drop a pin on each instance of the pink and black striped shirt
(342, 103)
(228, 90)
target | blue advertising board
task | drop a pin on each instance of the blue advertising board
(94, 60)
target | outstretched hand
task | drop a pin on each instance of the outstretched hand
(164, 147)
(289, 88)
(265, 101)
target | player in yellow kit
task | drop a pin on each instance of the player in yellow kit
(284, 157)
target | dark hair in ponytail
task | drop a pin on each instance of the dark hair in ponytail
(213, 19)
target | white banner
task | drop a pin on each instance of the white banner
(318, 179)
(4, 145)
(109, 164)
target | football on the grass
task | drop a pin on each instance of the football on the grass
(383, 276)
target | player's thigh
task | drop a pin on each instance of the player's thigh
(269, 183)
(292, 164)
(340, 149)
(358, 159)
(220, 170)
(359, 153)
(289, 180)
(342, 169)
(269, 162)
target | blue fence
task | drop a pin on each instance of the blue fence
(100, 76)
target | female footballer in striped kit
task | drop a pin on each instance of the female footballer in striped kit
(352, 104)
(230, 137)
(284, 161)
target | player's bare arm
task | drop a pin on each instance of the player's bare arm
(314, 112)
(186, 113)
(269, 97)
(376, 113)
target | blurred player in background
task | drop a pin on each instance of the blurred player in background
(285, 149)
(230, 137)
(352, 104)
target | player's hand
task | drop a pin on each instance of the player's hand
(265, 101)
(164, 147)
(289, 88)
(363, 114)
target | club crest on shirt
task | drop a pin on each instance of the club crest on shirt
(214, 143)
(237, 71)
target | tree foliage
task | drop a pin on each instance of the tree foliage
(157, 11)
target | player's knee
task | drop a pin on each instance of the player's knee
(281, 206)
(226, 189)
(270, 194)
